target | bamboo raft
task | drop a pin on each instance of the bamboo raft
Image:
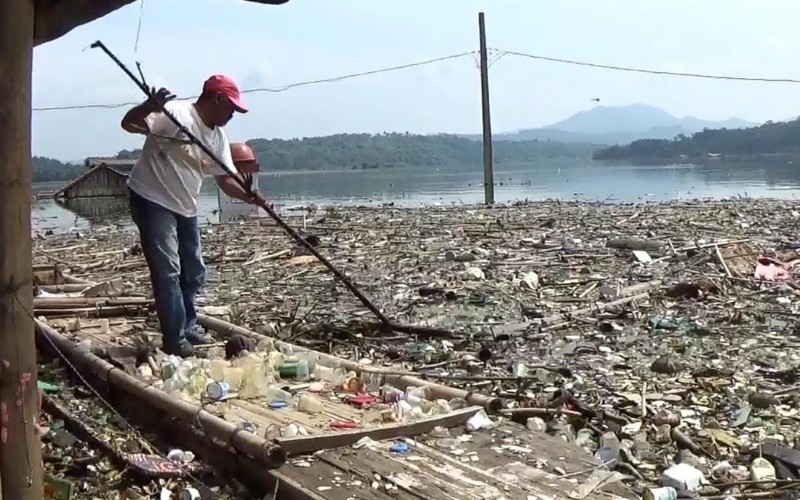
(503, 462)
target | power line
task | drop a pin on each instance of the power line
(651, 71)
(277, 89)
(496, 54)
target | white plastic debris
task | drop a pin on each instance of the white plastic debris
(189, 493)
(536, 424)
(180, 456)
(476, 273)
(479, 421)
(683, 477)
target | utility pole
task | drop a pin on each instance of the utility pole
(488, 166)
(20, 446)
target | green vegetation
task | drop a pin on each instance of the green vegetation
(49, 170)
(768, 139)
(365, 151)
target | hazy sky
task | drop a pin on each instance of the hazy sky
(184, 41)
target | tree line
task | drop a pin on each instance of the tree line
(50, 170)
(365, 151)
(768, 139)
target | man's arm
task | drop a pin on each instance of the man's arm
(229, 186)
(135, 120)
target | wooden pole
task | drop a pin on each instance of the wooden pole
(20, 447)
(488, 166)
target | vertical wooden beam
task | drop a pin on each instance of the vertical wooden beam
(20, 447)
(488, 155)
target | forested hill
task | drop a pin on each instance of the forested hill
(768, 139)
(48, 170)
(364, 151)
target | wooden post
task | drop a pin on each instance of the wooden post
(20, 447)
(488, 166)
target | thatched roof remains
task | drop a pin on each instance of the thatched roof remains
(56, 18)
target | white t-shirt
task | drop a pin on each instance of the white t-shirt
(170, 170)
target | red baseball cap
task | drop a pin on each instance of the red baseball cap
(226, 86)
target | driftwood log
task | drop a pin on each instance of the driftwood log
(630, 244)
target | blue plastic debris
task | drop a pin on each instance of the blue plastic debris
(399, 447)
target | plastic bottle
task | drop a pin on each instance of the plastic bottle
(302, 372)
(276, 358)
(665, 493)
(233, 376)
(216, 369)
(275, 393)
(536, 424)
(265, 345)
(311, 359)
(334, 376)
(391, 394)
(254, 383)
(372, 381)
(196, 383)
(169, 366)
(608, 453)
(402, 411)
(309, 404)
(762, 470)
(458, 404)
(415, 395)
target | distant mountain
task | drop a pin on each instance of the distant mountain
(621, 125)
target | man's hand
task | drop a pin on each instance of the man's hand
(158, 98)
(254, 199)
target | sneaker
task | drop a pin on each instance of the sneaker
(197, 338)
(183, 349)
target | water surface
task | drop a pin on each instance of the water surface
(554, 179)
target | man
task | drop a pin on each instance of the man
(164, 187)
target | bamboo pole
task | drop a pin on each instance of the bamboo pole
(73, 280)
(20, 447)
(491, 404)
(78, 302)
(641, 291)
(254, 446)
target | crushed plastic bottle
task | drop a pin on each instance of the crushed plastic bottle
(217, 369)
(309, 404)
(265, 345)
(390, 394)
(762, 471)
(333, 375)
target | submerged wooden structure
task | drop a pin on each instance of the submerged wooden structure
(106, 178)
(505, 461)
(23, 25)
(101, 192)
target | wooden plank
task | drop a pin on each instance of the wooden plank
(263, 417)
(307, 444)
(418, 475)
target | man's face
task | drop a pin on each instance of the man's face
(223, 110)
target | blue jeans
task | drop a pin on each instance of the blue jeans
(171, 247)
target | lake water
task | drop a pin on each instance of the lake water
(561, 179)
